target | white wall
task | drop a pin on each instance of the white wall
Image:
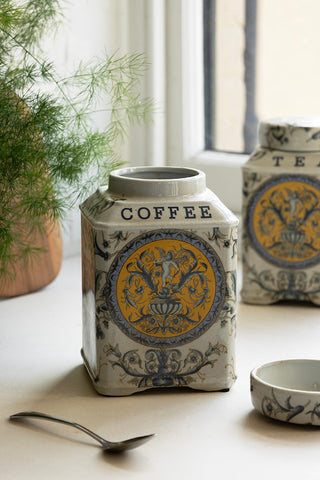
(87, 31)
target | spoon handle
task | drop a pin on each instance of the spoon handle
(51, 418)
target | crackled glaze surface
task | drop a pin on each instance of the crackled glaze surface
(166, 287)
(281, 211)
(288, 391)
(159, 290)
(284, 221)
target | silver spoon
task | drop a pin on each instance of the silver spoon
(106, 445)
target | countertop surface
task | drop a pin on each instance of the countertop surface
(200, 435)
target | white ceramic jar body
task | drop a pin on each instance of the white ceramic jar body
(159, 283)
(281, 214)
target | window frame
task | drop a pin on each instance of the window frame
(171, 34)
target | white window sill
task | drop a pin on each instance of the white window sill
(224, 178)
(42, 370)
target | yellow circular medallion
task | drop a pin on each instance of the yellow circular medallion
(166, 290)
(284, 221)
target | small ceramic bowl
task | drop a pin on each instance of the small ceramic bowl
(288, 390)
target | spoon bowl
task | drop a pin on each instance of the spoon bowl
(106, 445)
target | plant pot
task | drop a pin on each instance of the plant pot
(40, 270)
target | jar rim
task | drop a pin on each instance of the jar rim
(157, 181)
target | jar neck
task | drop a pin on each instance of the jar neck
(292, 134)
(157, 181)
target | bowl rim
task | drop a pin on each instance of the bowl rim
(254, 375)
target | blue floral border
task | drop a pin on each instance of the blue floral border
(131, 247)
(249, 220)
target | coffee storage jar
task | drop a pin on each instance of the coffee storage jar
(159, 256)
(281, 213)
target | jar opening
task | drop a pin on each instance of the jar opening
(157, 181)
(160, 174)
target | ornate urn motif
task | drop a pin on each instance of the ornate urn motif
(159, 283)
(281, 208)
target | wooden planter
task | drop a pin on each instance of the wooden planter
(32, 275)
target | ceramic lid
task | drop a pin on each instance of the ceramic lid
(288, 390)
(300, 133)
(157, 181)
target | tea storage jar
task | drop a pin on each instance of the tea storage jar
(159, 283)
(281, 213)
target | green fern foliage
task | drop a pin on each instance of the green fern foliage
(51, 152)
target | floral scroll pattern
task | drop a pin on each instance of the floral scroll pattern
(284, 221)
(287, 410)
(222, 240)
(162, 367)
(286, 284)
(281, 135)
(165, 288)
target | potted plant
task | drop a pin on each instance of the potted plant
(51, 152)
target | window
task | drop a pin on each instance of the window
(230, 70)
(171, 34)
(284, 41)
(260, 62)
(186, 137)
